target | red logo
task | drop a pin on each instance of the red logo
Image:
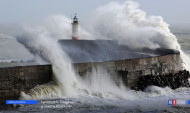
(174, 101)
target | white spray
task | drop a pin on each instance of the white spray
(39, 40)
(130, 25)
(102, 84)
(124, 22)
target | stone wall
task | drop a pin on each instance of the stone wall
(13, 80)
(131, 70)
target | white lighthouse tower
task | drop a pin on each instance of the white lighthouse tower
(75, 29)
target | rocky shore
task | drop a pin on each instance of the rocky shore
(173, 81)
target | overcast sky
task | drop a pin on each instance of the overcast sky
(21, 11)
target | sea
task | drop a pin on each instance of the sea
(153, 100)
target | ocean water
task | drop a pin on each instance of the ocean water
(183, 35)
(153, 100)
(10, 49)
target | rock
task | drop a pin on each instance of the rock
(174, 81)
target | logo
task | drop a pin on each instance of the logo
(188, 102)
(172, 102)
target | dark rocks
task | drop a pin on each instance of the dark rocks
(173, 81)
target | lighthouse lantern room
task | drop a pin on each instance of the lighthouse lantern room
(75, 29)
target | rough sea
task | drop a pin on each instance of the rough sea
(154, 100)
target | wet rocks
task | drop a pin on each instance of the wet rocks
(173, 81)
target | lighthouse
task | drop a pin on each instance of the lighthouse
(75, 29)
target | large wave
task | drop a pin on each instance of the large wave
(39, 41)
(131, 26)
(124, 22)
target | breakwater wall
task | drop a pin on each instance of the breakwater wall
(13, 80)
(132, 69)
